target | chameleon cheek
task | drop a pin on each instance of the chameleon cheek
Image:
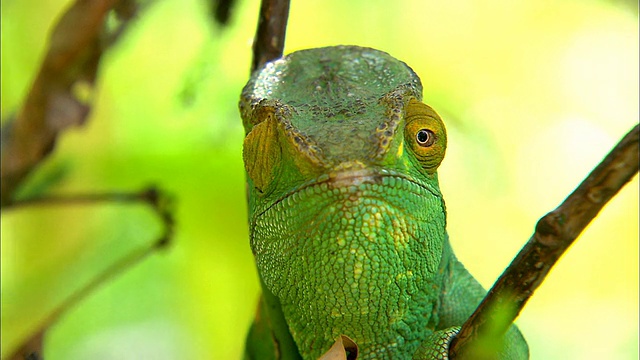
(262, 154)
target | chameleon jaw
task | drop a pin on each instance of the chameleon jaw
(349, 175)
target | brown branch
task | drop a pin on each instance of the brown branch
(158, 201)
(51, 106)
(272, 27)
(554, 233)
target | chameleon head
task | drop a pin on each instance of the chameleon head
(323, 111)
(346, 214)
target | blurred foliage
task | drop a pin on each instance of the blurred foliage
(534, 93)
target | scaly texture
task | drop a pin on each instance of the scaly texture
(353, 260)
(347, 222)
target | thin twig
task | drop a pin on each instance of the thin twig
(150, 195)
(221, 10)
(554, 233)
(31, 349)
(157, 200)
(272, 27)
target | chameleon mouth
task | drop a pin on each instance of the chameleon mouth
(349, 180)
(352, 177)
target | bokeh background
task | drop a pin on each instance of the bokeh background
(534, 94)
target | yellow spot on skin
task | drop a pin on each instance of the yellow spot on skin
(400, 149)
(357, 270)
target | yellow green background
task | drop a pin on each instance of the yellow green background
(534, 94)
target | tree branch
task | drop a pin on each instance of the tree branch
(268, 43)
(52, 106)
(554, 233)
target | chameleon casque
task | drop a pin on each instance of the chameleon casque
(347, 221)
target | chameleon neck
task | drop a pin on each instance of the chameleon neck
(352, 252)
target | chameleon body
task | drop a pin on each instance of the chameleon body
(347, 221)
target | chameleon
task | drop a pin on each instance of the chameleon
(347, 220)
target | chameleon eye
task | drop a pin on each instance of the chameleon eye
(425, 137)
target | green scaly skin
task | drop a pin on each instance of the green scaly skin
(347, 220)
